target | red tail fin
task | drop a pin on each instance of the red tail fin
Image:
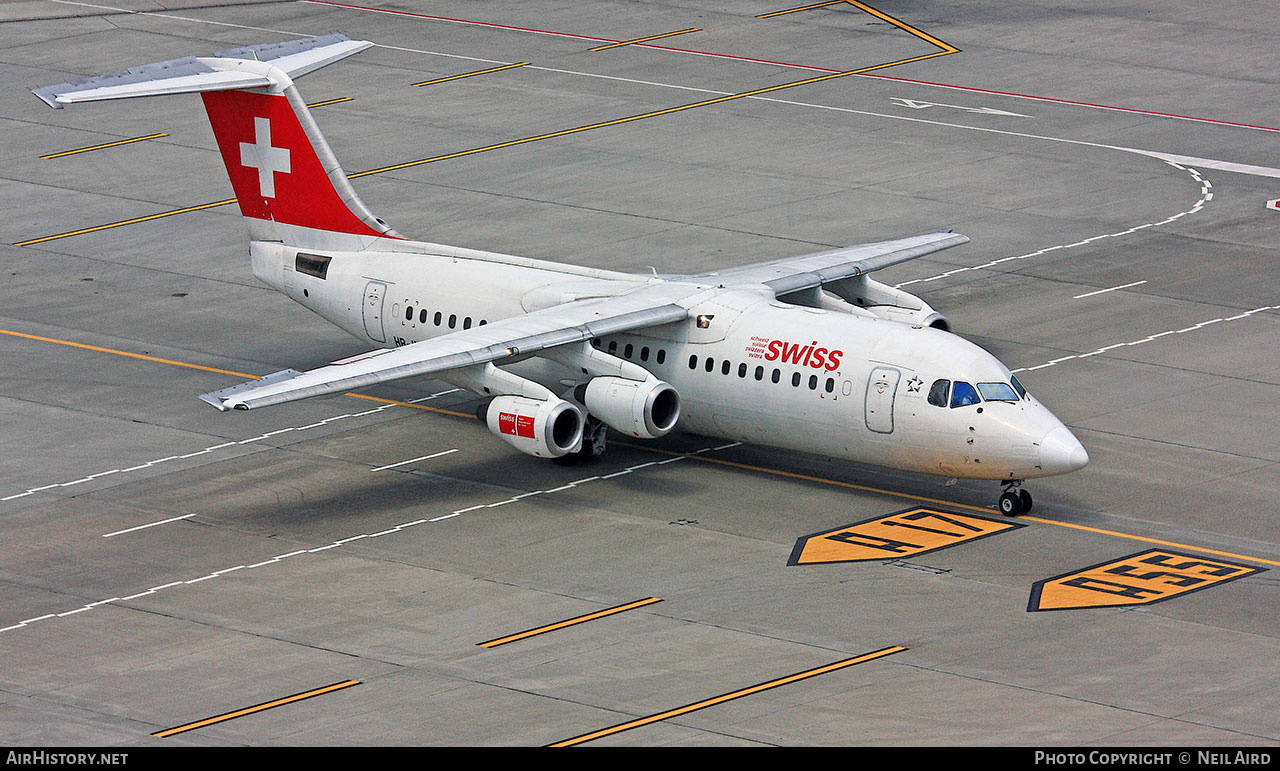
(290, 187)
(274, 166)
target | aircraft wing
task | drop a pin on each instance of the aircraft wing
(811, 270)
(568, 323)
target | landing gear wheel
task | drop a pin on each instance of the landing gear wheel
(593, 444)
(1014, 501)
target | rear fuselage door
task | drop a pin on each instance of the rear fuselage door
(882, 386)
(374, 293)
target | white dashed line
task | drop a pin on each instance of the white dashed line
(224, 445)
(1205, 197)
(345, 541)
(1112, 289)
(1150, 338)
(150, 524)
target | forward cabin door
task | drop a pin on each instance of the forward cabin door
(882, 387)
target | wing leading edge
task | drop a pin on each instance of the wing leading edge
(506, 339)
(795, 273)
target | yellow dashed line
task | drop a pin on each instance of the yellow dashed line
(328, 102)
(730, 696)
(641, 116)
(801, 8)
(133, 221)
(569, 622)
(257, 708)
(100, 147)
(647, 39)
(471, 74)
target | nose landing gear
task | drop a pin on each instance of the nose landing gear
(1014, 501)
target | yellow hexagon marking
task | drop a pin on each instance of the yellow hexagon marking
(1138, 579)
(896, 536)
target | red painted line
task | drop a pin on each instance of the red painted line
(564, 34)
(971, 89)
(460, 21)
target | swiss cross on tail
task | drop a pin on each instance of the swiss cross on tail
(266, 159)
(273, 165)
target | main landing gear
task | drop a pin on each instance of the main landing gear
(1014, 501)
(593, 443)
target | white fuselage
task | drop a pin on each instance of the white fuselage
(758, 370)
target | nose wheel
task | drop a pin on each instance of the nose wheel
(1014, 501)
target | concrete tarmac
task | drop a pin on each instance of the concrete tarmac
(162, 563)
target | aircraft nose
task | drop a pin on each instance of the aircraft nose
(1061, 452)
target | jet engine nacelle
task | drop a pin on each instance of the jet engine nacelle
(546, 428)
(887, 302)
(646, 409)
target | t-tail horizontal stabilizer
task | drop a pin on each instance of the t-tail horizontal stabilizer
(236, 68)
(290, 187)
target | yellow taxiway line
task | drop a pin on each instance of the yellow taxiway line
(256, 708)
(647, 39)
(470, 74)
(569, 622)
(65, 153)
(678, 711)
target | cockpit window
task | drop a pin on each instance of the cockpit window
(963, 394)
(997, 392)
(1022, 392)
(938, 392)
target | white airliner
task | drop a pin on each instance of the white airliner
(806, 353)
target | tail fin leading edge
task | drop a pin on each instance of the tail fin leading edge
(287, 182)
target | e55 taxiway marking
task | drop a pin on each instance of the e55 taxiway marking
(1138, 579)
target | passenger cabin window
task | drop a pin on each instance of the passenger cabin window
(938, 392)
(312, 264)
(964, 394)
(997, 392)
(422, 316)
